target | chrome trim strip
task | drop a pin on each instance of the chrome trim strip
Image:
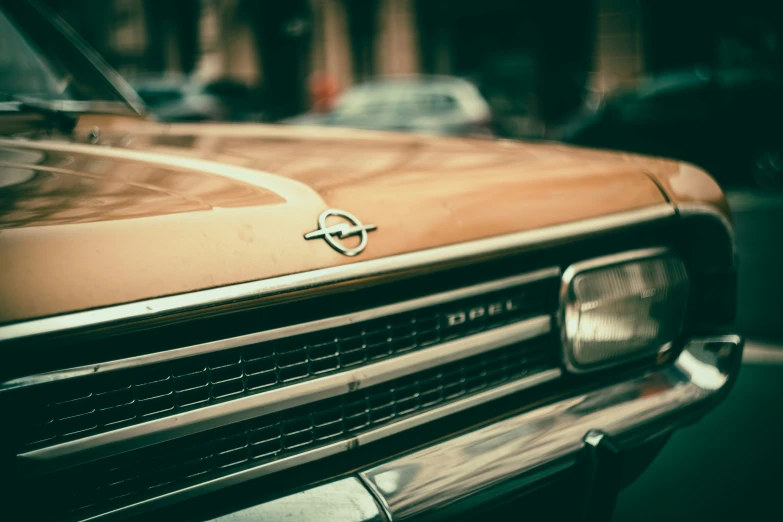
(588, 265)
(101, 445)
(435, 477)
(331, 449)
(703, 209)
(286, 331)
(157, 307)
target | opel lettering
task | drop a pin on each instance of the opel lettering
(479, 312)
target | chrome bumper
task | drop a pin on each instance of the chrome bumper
(529, 446)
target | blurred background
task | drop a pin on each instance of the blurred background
(696, 80)
(691, 79)
(540, 66)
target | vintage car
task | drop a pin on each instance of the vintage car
(248, 322)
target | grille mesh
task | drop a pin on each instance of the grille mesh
(81, 407)
(196, 458)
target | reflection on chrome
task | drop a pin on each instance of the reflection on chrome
(704, 360)
(345, 500)
(437, 476)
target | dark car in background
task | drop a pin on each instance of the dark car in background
(440, 105)
(181, 98)
(727, 121)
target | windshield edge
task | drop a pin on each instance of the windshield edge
(117, 83)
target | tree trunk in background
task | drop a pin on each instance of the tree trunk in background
(92, 19)
(283, 33)
(155, 57)
(172, 35)
(362, 28)
(187, 31)
(434, 21)
(564, 52)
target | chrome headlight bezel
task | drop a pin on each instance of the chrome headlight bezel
(568, 306)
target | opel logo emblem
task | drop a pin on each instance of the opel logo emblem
(333, 234)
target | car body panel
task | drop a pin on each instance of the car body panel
(421, 193)
(56, 187)
(689, 184)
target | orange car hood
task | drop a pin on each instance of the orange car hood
(158, 210)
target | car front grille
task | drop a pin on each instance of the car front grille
(79, 407)
(110, 435)
(205, 456)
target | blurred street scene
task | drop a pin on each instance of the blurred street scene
(680, 79)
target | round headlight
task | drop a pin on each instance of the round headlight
(621, 307)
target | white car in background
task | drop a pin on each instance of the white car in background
(441, 105)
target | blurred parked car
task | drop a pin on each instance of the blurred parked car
(439, 105)
(179, 98)
(725, 121)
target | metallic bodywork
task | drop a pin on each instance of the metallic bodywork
(440, 475)
(310, 281)
(282, 179)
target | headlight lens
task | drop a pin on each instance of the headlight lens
(621, 307)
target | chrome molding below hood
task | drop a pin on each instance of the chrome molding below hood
(162, 306)
(436, 477)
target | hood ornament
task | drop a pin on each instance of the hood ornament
(334, 233)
